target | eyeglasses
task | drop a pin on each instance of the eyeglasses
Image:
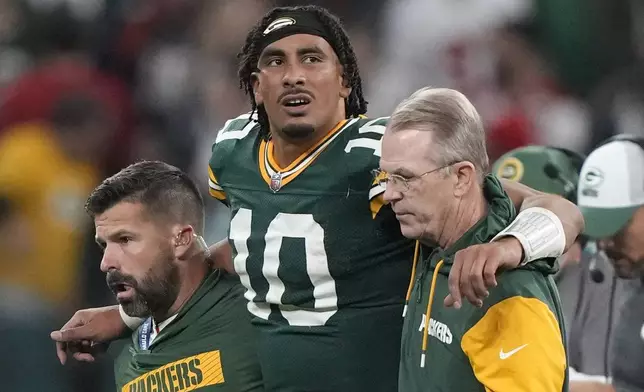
(399, 182)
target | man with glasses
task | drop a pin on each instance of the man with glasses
(434, 164)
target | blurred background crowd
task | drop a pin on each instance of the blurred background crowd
(88, 86)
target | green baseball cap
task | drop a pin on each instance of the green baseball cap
(546, 169)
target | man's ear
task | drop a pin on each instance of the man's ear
(183, 242)
(254, 79)
(345, 91)
(465, 177)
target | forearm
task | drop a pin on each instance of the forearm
(568, 213)
(525, 197)
(221, 256)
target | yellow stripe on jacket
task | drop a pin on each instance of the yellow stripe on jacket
(517, 347)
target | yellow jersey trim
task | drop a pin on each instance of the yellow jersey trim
(268, 166)
(376, 193)
(214, 189)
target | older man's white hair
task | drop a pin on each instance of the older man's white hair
(457, 126)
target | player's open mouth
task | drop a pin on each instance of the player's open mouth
(123, 290)
(296, 104)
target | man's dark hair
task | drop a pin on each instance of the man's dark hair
(163, 189)
(355, 104)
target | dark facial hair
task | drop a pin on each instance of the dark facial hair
(153, 295)
(298, 131)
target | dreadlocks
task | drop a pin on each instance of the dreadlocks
(355, 104)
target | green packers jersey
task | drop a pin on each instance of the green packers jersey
(323, 261)
(210, 346)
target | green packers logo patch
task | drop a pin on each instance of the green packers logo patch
(511, 169)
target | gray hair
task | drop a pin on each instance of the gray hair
(457, 126)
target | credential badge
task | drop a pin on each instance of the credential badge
(276, 182)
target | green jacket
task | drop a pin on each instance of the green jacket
(514, 343)
(209, 346)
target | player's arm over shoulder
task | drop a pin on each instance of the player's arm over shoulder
(568, 213)
(228, 136)
(517, 345)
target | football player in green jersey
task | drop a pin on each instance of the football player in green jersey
(197, 335)
(322, 258)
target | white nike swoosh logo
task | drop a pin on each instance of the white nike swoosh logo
(507, 355)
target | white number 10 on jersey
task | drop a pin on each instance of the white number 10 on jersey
(317, 267)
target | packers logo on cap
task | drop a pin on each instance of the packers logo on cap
(511, 169)
(593, 177)
(278, 24)
(591, 180)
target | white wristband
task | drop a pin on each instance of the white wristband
(540, 233)
(132, 322)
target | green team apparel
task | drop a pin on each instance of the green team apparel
(209, 346)
(323, 261)
(547, 169)
(514, 342)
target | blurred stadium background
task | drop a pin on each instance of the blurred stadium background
(88, 86)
